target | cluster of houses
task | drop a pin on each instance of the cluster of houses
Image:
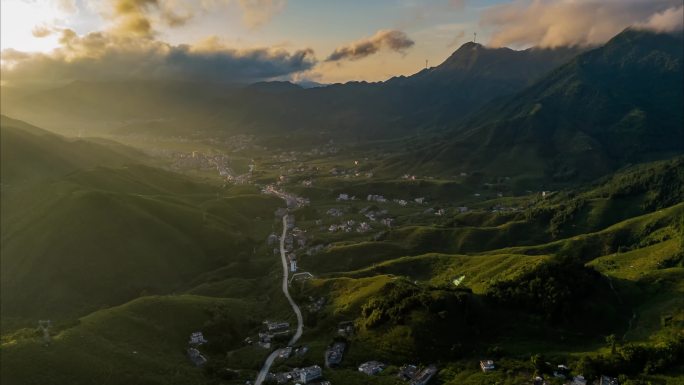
(504, 209)
(308, 375)
(410, 373)
(335, 212)
(271, 330)
(379, 198)
(349, 226)
(289, 351)
(292, 200)
(438, 212)
(194, 355)
(372, 215)
(562, 372)
(348, 174)
(316, 304)
(404, 202)
(577, 380)
(237, 143)
(352, 225)
(376, 198)
(236, 179)
(343, 197)
(297, 238)
(199, 161)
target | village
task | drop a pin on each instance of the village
(342, 215)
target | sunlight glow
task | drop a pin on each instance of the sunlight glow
(18, 18)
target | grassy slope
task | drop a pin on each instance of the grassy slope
(30, 153)
(93, 232)
(86, 232)
(628, 212)
(147, 337)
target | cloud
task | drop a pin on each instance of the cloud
(131, 16)
(129, 48)
(42, 30)
(457, 39)
(141, 17)
(68, 6)
(102, 56)
(553, 23)
(257, 12)
(393, 40)
(670, 20)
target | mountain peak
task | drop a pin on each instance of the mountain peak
(470, 46)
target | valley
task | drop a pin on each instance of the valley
(534, 237)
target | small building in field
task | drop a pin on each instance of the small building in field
(424, 376)
(605, 380)
(333, 356)
(371, 368)
(277, 327)
(487, 365)
(197, 338)
(311, 373)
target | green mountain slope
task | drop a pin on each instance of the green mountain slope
(140, 342)
(614, 105)
(604, 259)
(82, 237)
(30, 153)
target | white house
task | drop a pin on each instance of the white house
(310, 373)
(487, 365)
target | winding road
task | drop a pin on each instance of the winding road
(300, 322)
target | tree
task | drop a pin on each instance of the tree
(537, 361)
(611, 341)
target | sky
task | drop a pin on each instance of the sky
(237, 41)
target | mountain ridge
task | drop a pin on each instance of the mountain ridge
(613, 105)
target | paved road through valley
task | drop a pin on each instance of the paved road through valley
(300, 322)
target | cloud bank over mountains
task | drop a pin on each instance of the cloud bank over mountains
(555, 23)
(102, 56)
(129, 49)
(130, 45)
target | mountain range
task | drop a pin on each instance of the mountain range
(522, 206)
(608, 107)
(437, 96)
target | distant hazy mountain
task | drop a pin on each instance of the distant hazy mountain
(96, 107)
(435, 97)
(474, 75)
(31, 154)
(470, 77)
(613, 105)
